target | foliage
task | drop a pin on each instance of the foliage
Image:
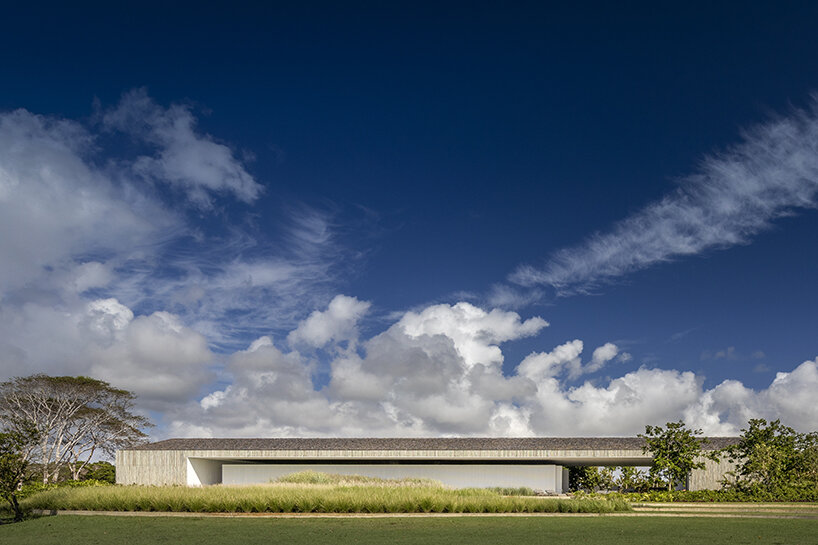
(37, 486)
(775, 459)
(622, 479)
(590, 478)
(290, 498)
(100, 471)
(676, 452)
(76, 418)
(13, 465)
(750, 495)
(632, 479)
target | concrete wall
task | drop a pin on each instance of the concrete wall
(201, 467)
(151, 467)
(545, 477)
(711, 476)
(161, 467)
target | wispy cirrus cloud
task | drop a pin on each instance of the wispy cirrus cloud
(103, 273)
(735, 195)
(239, 286)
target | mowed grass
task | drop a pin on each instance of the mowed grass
(90, 530)
(304, 498)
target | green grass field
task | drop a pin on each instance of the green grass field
(90, 530)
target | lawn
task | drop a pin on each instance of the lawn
(90, 530)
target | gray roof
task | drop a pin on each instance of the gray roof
(446, 443)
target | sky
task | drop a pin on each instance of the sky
(415, 219)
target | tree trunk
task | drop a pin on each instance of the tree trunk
(44, 458)
(15, 506)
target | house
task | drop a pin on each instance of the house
(536, 462)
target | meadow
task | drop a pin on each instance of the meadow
(297, 498)
(312, 492)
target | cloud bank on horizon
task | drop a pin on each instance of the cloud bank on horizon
(735, 195)
(438, 371)
(102, 275)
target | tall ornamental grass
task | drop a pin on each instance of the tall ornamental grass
(322, 498)
(316, 477)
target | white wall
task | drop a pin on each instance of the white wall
(539, 477)
(201, 471)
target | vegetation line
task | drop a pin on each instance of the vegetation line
(286, 498)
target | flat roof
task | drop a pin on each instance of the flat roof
(408, 444)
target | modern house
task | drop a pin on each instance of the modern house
(538, 463)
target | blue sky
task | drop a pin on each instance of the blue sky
(415, 220)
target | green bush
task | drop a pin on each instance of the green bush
(100, 471)
(759, 494)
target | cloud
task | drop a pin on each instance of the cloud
(182, 157)
(601, 356)
(474, 332)
(102, 274)
(59, 215)
(735, 195)
(789, 397)
(565, 359)
(78, 222)
(438, 371)
(728, 354)
(239, 286)
(155, 355)
(337, 323)
(731, 354)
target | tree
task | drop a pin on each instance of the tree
(75, 418)
(632, 479)
(100, 471)
(590, 478)
(13, 465)
(772, 456)
(676, 452)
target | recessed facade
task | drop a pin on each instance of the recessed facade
(538, 463)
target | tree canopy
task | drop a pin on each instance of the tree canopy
(74, 418)
(676, 452)
(772, 457)
(13, 465)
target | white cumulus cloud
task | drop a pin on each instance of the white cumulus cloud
(337, 323)
(438, 371)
